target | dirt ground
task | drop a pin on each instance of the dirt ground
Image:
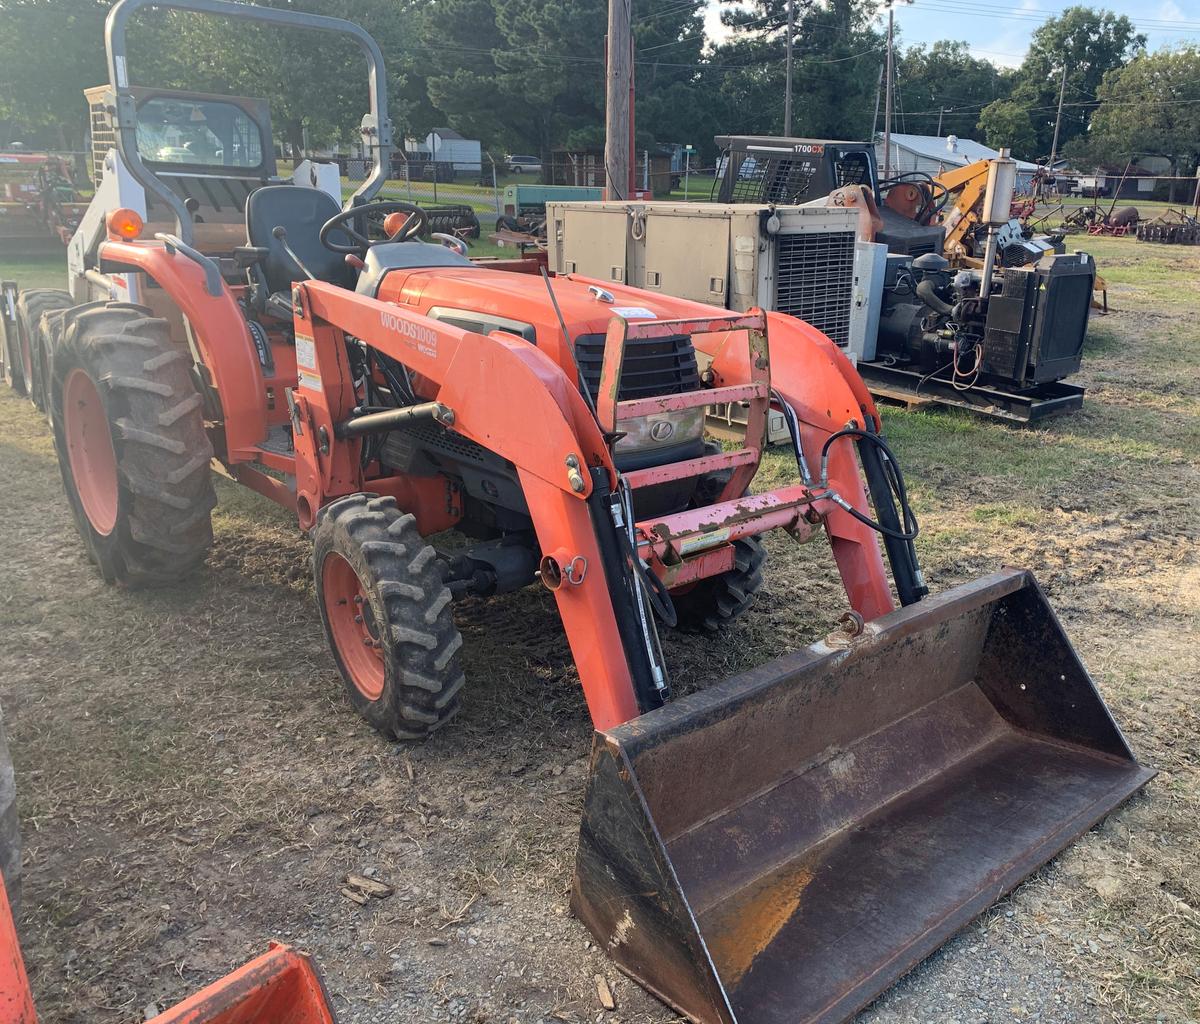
(193, 784)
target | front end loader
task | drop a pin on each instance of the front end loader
(782, 845)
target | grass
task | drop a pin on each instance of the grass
(35, 270)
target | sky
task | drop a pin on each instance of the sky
(1000, 31)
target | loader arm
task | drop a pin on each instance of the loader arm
(492, 389)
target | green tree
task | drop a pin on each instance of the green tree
(1150, 107)
(943, 88)
(1090, 44)
(1006, 124)
(316, 83)
(529, 74)
(837, 54)
(50, 51)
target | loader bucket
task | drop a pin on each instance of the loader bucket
(783, 846)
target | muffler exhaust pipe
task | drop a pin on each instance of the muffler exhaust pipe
(784, 845)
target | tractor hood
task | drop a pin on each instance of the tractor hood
(525, 298)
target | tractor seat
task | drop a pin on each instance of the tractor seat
(301, 211)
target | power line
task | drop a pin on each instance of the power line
(973, 10)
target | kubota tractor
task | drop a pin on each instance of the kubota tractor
(778, 847)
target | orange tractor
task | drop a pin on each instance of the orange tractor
(780, 846)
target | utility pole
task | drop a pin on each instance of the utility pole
(941, 111)
(787, 89)
(878, 93)
(617, 113)
(887, 113)
(1062, 88)
(887, 103)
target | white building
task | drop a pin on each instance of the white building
(446, 146)
(933, 155)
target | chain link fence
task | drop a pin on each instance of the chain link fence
(461, 197)
(474, 199)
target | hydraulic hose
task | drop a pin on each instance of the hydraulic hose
(927, 295)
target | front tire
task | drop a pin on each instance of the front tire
(36, 344)
(387, 615)
(715, 602)
(131, 444)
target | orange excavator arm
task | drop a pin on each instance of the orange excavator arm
(966, 186)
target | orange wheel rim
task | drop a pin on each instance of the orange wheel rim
(90, 451)
(353, 626)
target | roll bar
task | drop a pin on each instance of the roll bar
(126, 112)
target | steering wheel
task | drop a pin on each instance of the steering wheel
(373, 213)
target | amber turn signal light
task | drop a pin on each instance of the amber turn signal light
(124, 224)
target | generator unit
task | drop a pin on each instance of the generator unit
(1004, 354)
(805, 262)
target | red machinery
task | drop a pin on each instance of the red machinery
(40, 201)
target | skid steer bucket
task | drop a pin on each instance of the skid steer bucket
(783, 846)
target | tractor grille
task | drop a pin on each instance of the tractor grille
(814, 280)
(653, 366)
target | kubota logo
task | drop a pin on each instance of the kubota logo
(421, 338)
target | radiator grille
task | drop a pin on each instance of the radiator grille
(814, 280)
(653, 366)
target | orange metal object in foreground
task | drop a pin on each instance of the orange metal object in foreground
(16, 1001)
(279, 987)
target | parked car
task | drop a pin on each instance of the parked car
(523, 164)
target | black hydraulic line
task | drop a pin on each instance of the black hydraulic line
(618, 574)
(377, 422)
(931, 298)
(901, 552)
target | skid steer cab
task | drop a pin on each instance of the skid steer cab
(750, 853)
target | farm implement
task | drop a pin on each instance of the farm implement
(40, 203)
(779, 847)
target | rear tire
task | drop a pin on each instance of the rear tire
(32, 305)
(14, 363)
(10, 826)
(387, 615)
(131, 443)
